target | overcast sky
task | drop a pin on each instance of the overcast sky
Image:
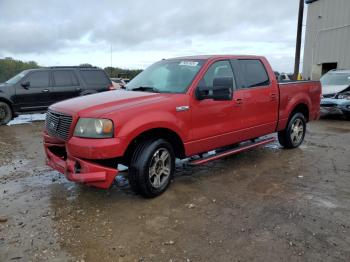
(143, 31)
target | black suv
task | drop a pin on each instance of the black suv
(34, 90)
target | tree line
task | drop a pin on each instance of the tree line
(10, 67)
(122, 73)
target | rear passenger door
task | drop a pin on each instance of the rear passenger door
(256, 96)
(66, 85)
(96, 80)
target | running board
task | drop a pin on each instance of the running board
(232, 151)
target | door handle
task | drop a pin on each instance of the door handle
(273, 96)
(78, 89)
(45, 91)
(239, 101)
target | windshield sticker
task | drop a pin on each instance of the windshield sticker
(188, 63)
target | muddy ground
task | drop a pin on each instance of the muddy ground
(267, 204)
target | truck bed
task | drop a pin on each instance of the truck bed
(308, 92)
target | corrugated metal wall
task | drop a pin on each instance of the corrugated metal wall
(327, 36)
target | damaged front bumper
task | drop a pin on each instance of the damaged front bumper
(76, 169)
(334, 106)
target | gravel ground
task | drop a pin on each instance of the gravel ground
(267, 204)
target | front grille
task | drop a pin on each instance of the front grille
(58, 125)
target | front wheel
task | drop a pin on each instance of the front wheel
(5, 113)
(294, 134)
(152, 167)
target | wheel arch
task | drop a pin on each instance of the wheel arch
(2, 99)
(165, 133)
(300, 108)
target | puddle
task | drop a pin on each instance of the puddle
(275, 145)
(322, 202)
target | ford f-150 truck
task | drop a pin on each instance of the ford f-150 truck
(176, 108)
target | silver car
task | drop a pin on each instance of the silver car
(336, 93)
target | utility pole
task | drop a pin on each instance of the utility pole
(299, 36)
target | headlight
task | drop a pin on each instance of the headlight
(344, 96)
(94, 128)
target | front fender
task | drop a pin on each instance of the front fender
(151, 120)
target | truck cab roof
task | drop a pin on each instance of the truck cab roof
(207, 57)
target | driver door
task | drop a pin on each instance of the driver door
(37, 95)
(214, 122)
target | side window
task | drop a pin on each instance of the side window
(95, 77)
(39, 79)
(218, 69)
(75, 80)
(65, 78)
(254, 73)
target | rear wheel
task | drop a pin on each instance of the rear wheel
(152, 167)
(294, 134)
(5, 113)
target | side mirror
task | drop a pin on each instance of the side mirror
(25, 85)
(220, 91)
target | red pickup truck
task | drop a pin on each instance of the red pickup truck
(176, 108)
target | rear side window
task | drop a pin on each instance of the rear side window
(65, 78)
(39, 79)
(94, 77)
(254, 73)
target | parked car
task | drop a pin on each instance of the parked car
(177, 108)
(34, 90)
(282, 77)
(118, 83)
(336, 93)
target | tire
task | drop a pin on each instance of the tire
(5, 113)
(152, 167)
(293, 136)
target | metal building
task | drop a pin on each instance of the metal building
(327, 37)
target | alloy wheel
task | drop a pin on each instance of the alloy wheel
(297, 131)
(160, 168)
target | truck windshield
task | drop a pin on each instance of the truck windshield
(335, 79)
(167, 76)
(16, 78)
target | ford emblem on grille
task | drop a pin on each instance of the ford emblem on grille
(58, 124)
(52, 125)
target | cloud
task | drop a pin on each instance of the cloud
(44, 27)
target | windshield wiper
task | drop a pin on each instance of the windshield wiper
(146, 88)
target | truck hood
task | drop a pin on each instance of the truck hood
(333, 89)
(99, 104)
